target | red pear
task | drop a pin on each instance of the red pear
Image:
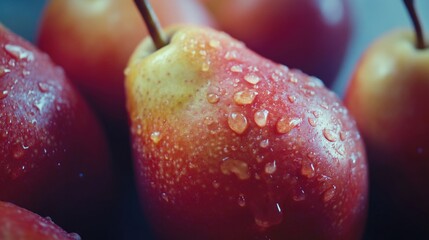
(54, 158)
(388, 95)
(230, 145)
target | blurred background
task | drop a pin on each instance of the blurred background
(370, 18)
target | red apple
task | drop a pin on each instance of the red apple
(230, 145)
(54, 158)
(311, 35)
(388, 95)
(18, 223)
(93, 41)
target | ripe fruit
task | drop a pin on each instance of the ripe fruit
(18, 223)
(388, 95)
(54, 158)
(93, 41)
(311, 35)
(230, 145)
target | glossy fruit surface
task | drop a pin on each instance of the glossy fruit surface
(311, 35)
(229, 145)
(93, 41)
(17, 223)
(54, 158)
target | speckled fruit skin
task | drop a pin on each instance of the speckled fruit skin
(18, 223)
(54, 158)
(93, 40)
(229, 145)
(311, 35)
(388, 95)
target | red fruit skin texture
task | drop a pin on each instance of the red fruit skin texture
(311, 35)
(54, 158)
(17, 223)
(207, 168)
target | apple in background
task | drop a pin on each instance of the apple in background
(230, 145)
(93, 40)
(18, 223)
(311, 35)
(54, 158)
(388, 95)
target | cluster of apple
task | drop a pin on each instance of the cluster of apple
(224, 138)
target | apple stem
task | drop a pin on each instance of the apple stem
(152, 23)
(420, 42)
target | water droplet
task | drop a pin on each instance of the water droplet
(329, 193)
(155, 137)
(237, 122)
(264, 143)
(343, 135)
(307, 169)
(270, 167)
(127, 71)
(230, 55)
(43, 87)
(312, 155)
(3, 71)
(268, 215)
(3, 94)
(138, 129)
(215, 184)
(324, 105)
(340, 149)
(316, 82)
(241, 200)
(19, 52)
(292, 99)
(74, 236)
(275, 77)
(329, 135)
(214, 43)
(213, 98)
(164, 196)
(261, 117)
(293, 79)
(238, 168)
(312, 121)
(205, 66)
(299, 195)
(236, 68)
(203, 52)
(316, 114)
(285, 124)
(252, 78)
(245, 97)
(40, 104)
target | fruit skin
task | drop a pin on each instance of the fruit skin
(311, 35)
(18, 223)
(387, 94)
(54, 158)
(93, 40)
(206, 170)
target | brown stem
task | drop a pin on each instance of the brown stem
(152, 23)
(420, 42)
